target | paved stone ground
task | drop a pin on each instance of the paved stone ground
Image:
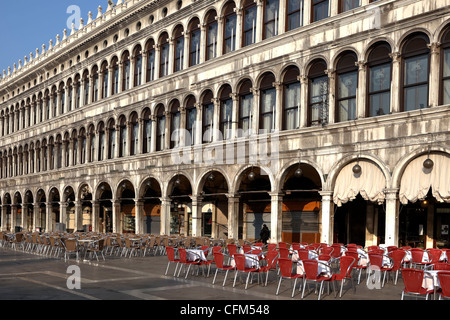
(26, 276)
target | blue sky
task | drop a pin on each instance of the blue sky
(28, 24)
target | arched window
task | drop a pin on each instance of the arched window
(178, 48)
(122, 137)
(245, 108)
(40, 112)
(267, 104)
(346, 87)
(294, 13)
(137, 66)
(445, 69)
(62, 98)
(291, 99)
(230, 23)
(77, 88)
(194, 42)
(271, 18)
(86, 88)
(415, 66)
(105, 78)
(164, 55)
(226, 112)
(134, 146)
(112, 139)
(95, 85)
(318, 94)
(147, 136)
(69, 95)
(175, 124)
(379, 80)
(51, 154)
(54, 98)
(150, 48)
(66, 143)
(115, 75)
(191, 122)
(92, 144)
(125, 71)
(346, 5)
(208, 117)
(83, 148)
(160, 128)
(320, 9)
(101, 141)
(211, 35)
(249, 17)
(44, 150)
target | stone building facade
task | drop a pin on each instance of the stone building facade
(327, 120)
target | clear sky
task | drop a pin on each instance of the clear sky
(28, 24)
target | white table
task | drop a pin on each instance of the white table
(322, 268)
(431, 280)
(312, 255)
(251, 261)
(195, 255)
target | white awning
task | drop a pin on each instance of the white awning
(370, 183)
(416, 180)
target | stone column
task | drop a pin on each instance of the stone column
(186, 55)
(233, 216)
(14, 209)
(95, 215)
(49, 217)
(78, 215)
(144, 66)
(165, 216)
(254, 118)
(119, 89)
(220, 35)
(157, 61)
(153, 139)
(239, 28)
(167, 137)
(139, 216)
(307, 8)
(331, 96)
(117, 150)
(36, 215)
(141, 137)
(63, 215)
(361, 90)
(171, 56)
(276, 217)
(395, 83)
(197, 216)
(278, 106)
(327, 217)
(116, 216)
(334, 8)
(82, 93)
(392, 219)
(434, 74)
(216, 120)
(235, 115)
(304, 101)
(259, 20)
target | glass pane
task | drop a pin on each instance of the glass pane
(416, 98)
(380, 104)
(212, 41)
(416, 70)
(230, 33)
(347, 84)
(268, 100)
(246, 106)
(250, 26)
(349, 5)
(380, 78)
(446, 71)
(176, 120)
(446, 90)
(292, 95)
(195, 48)
(164, 60)
(179, 49)
(292, 119)
(347, 110)
(320, 10)
(271, 18)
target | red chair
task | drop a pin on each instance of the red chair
(325, 257)
(346, 264)
(259, 244)
(444, 279)
(327, 250)
(397, 257)
(218, 259)
(232, 250)
(356, 266)
(271, 246)
(417, 258)
(303, 254)
(171, 255)
(185, 262)
(434, 255)
(240, 267)
(284, 253)
(247, 248)
(336, 250)
(391, 248)
(296, 246)
(376, 251)
(376, 263)
(413, 279)
(287, 274)
(441, 266)
(208, 263)
(282, 245)
(311, 274)
(371, 248)
(271, 263)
